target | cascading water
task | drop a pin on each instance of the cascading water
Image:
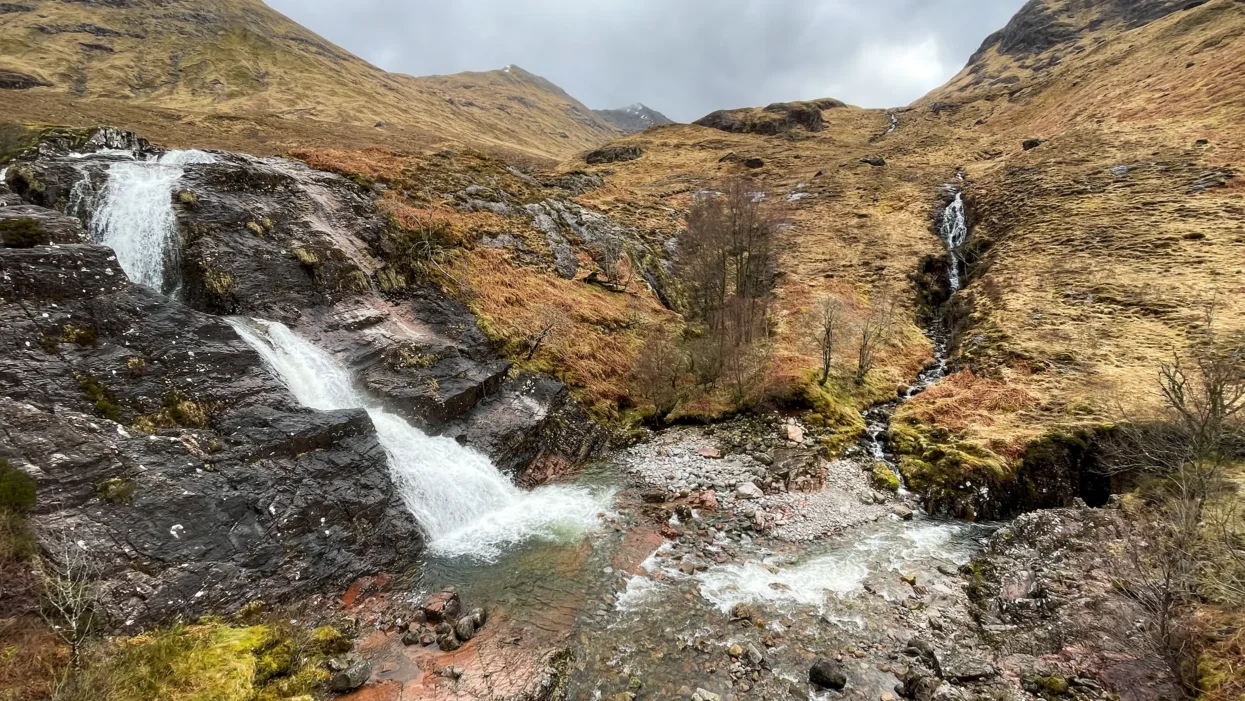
(953, 229)
(464, 505)
(954, 232)
(133, 213)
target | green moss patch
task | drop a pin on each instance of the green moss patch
(23, 232)
(209, 661)
(105, 401)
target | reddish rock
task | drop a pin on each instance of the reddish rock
(442, 606)
(364, 587)
(711, 453)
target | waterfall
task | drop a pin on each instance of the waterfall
(133, 214)
(462, 502)
(954, 231)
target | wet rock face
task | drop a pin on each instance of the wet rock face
(272, 238)
(163, 448)
(269, 237)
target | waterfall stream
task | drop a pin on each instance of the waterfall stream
(953, 230)
(133, 213)
(463, 503)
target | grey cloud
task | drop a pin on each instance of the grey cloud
(685, 58)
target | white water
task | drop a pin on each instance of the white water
(464, 505)
(133, 214)
(838, 573)
(954, 232)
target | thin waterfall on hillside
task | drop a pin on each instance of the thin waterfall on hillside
(133, 213)
(460, 499)
(953, 229)
(954, 232)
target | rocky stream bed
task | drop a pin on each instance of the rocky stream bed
(205, 462)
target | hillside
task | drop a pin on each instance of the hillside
(241, 61)
(1093, 253)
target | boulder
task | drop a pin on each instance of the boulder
(614, 154)
(827, 674)
(442, 607)
(465, 629)
(748, 490)
(754, 163)
(350, 674)
(478, 618)
(875, 161)
(1030, 144)
(448, 642)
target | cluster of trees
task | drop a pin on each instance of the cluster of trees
(1188, 545)
(834, 331)
(725, 271)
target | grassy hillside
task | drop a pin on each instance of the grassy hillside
(1094, 253)
(210, 58)
(1094, 250)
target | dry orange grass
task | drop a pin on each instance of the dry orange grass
(964, 402)
(1221, 665)
(596, 334)
(372, 164)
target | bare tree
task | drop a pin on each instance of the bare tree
(726, 266)
(744, 367)
(551, 320)
(874, 331)
(657, 370)
(826, 327)
(610, 254)
(70, 607)
(1186, 547)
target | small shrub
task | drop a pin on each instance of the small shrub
(116, 490)
(23, 232)
(105, 402)
(17, 489)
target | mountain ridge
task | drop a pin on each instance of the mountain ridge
(243, 59)
(634, 118)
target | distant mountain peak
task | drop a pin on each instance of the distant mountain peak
(634, 118)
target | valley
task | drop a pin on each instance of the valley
(326, 382)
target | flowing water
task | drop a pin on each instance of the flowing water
(462, 502)
(564, 565)
(133, 212)
(953, 230)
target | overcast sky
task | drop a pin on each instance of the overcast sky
(684, 58)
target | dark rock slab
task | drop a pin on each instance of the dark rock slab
(238, 493)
